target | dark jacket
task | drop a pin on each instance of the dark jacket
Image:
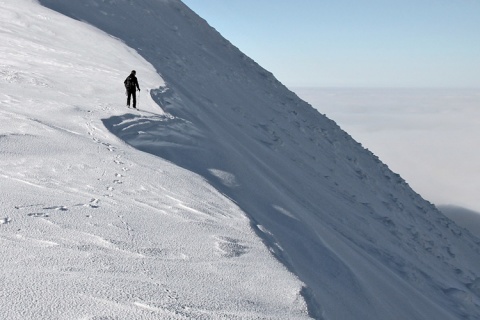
(131, 83)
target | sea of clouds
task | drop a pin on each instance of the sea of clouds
(429, 136)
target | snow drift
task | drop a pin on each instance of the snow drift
(91, 228)
(364, 245)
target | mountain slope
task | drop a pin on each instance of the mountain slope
(365, 245)
(91, 228)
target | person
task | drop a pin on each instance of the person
(131, 84)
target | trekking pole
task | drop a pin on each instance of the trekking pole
(138, 100)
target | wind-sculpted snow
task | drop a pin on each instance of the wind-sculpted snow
(364, 244)
(91, 228)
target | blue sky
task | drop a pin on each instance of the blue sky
(347, 43)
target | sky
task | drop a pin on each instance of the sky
(346, 43)
(428, 137)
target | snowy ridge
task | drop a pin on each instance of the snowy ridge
(94, 229)
(362, 242)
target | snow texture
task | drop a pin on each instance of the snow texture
(438, 126)
(246, 204)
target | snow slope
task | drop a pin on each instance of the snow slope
(91, 228)
(139, 237)
(442, 122)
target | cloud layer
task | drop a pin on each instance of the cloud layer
(428, 136)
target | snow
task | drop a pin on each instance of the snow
(439, 126)
(246, 203)
(94, 229)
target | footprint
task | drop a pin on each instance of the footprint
(38, 215)
(57, 208)
(92, 204)
(5, 220)
(27, 206)
(165, 254)
(230, 247)
(117, 182)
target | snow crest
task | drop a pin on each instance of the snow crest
(113, 232)
(92, 228)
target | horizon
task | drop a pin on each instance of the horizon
(224, 195)
(350, 44)
(406, 47)
(442, 122)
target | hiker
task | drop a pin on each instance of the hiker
(131, 84)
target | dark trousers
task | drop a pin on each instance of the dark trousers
(132, 93)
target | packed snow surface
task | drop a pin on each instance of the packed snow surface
(92, 228)
(243, 203)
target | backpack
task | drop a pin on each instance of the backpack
(129, 83)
